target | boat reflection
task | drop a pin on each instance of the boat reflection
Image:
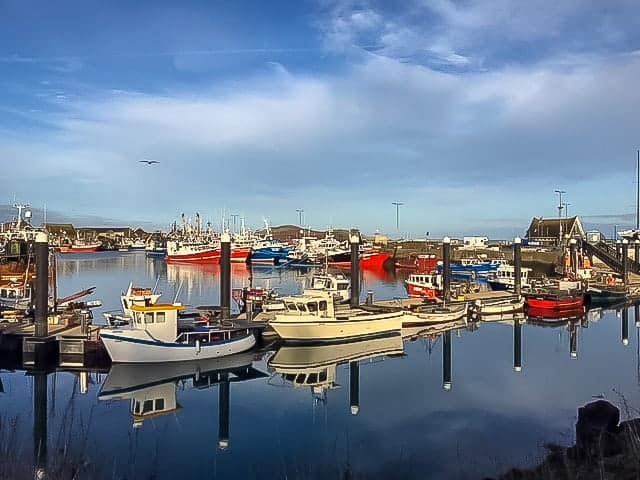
(152, 388)
(315, 366)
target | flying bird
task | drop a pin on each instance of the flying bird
(149, 162)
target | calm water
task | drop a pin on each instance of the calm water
(406, 426)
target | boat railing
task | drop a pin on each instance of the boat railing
(205, 336)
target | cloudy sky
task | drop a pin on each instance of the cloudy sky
(471, 113)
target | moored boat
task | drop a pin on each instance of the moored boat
(605, 295)
(504, 278)
(501, 306)
(81, 247)
(154, 336)
(426, 314)
(424, 285)
(555, 300)
(313, 318)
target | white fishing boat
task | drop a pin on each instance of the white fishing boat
(133, 296)
(154, 336)
(335, 284)
(313, 318)
(504, 278)
(425, 314)
(15, 295)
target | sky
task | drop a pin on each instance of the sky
(471, 113)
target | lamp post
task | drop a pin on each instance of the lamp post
(397, 204)
(566, 209)
(560, 192)
(300, 212)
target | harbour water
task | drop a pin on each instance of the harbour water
(242, 419)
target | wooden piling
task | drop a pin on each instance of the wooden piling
(355, 271)
(225, 276)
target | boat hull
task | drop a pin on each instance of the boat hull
(434, 315)
(79, 249)
(511, 306)
(370, 261)
(334, 330)
(127, 349)
(555, 304)
(416, 290)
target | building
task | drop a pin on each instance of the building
(475, 242)
(549, 231)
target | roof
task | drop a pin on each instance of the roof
(550, 227)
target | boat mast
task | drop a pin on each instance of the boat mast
(638, 192)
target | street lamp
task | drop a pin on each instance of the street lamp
(566, 209)
(300, 212)
(560, 192)
(397, 204)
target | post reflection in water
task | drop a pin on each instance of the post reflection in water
(446, 360)
(573, 340)
(40, 404)
(517, 345)
(625, 326)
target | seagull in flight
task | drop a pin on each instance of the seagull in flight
(149, 162)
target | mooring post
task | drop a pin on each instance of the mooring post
(354, 387)
(248, 309)
(225, 276)
(223, 411)
(355, 270)
(446, 268)
(573, 340)
(446, 360)
(40, 423)
(370, 297)
(517, 266)
(517, 345)
(41, 248)
(625, 262)
(636, 252)
(636, 314)
(625, 326)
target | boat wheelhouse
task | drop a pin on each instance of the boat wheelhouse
(504, 278)
(15, 295)
(314, 318)
(154, 336)
(336, 284)
(427, 285)
(133, 296)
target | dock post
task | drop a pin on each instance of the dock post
(517, 266)
(573, 340)
(225, 276)
(636, 314)
(625, 262)
(354, 387)
(517, 345)
(625, 326)
(223, 410)
(573, 264)
(446, 360)
(41, 248)
(446, 268)
(355, 271)
(40, 423)
(370, 297)
(249, 310)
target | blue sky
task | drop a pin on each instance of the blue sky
(471, 113)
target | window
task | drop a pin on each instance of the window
(125, 303)
(301, 307)
(323, 376)
(323, 305)
(312, 307)
(313, 378)
(291, 306)
(3, 292)
(343, 286)
(159, 404)
(147, 406)
(160, 317)
(12, 294)
(148, 317)
(136, 409)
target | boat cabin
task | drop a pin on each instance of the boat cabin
(319, 304)
(160, 320)
(337, 285)
(506, 273)
(15, 295)
(137, 296)
(431, 280)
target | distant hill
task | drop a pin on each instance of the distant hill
(288, 232)
(8, 213)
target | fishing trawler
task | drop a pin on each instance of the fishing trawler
(427, 285)
(154, 336)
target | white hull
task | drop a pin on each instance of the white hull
(125, 347)
(312, 328)
(502, 307)
(434, 315)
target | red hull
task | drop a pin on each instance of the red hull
(414, 290)
(239, 255)
(72, 249)
(373, 261)
(555, 304)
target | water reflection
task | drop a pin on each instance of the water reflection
(315, 366)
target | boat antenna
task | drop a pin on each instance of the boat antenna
(175, 299)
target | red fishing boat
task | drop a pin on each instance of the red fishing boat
(424, 285)
(80, 247)
(555, 302)
(198, 252)
(372, 259)
(421, 263)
